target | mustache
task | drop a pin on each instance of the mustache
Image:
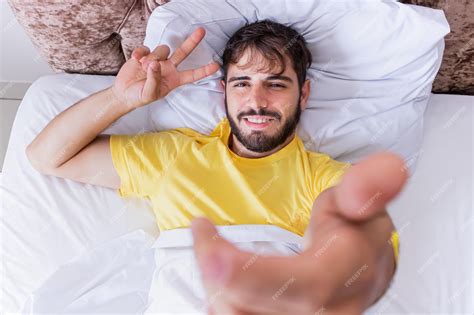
(261, 112)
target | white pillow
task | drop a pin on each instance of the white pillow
(373, 66)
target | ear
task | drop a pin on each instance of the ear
(305, 90)
(223, 84)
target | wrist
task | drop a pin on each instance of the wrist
(120, 103)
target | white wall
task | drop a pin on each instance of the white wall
(20, 63)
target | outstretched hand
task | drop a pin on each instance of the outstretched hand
(149, 76)
(346, 265)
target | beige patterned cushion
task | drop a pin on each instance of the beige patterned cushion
(457, 70)
(85, 36)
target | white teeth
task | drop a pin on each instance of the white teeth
(257, 120)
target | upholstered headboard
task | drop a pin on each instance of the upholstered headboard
(97, 36)
(85, 36)
(456, 74)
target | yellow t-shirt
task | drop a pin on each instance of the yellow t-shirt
(186, 174)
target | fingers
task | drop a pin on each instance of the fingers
(161, 52)
(194, 75)
(140, 52)
(369, 185)
(151, 89)
(188, 46)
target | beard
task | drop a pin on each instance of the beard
(258, 141)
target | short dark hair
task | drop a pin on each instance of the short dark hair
(273, 41)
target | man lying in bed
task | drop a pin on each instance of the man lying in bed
(252, 169)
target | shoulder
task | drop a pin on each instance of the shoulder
(320, 160)
(177, 135)
(220, 130)
(177, 138)
(325, 171)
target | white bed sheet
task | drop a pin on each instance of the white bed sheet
(47, 221)
(127, 275)
(434, 216)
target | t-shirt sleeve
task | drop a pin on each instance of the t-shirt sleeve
(142, 160)
(326, 172)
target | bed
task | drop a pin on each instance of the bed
(433, 214)
(49, 224)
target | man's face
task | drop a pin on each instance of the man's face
(263, 108)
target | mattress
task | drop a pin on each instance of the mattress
(48, 222)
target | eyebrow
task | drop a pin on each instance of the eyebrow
(271, 77)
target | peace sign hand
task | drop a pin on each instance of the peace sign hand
(147, 77)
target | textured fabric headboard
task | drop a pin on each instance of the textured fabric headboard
(97, 36)
(85, 36)
(456, 75)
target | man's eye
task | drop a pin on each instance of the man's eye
(240, 84)
(277, 85)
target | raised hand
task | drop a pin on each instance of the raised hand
(147, 77)
(349, 234)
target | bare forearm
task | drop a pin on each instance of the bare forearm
(74, 128)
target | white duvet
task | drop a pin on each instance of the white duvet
(50, 224)
(130, 275)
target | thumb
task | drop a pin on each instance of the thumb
(151, 88)
(369, 185)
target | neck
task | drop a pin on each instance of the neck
(238, 148)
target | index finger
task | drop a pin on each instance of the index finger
(190, 76)
(188, 46)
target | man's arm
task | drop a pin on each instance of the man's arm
(347, 262)
(70, 145)
(358, 250)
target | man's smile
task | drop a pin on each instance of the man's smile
(258, 121)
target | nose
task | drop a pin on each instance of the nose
(257, 97)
